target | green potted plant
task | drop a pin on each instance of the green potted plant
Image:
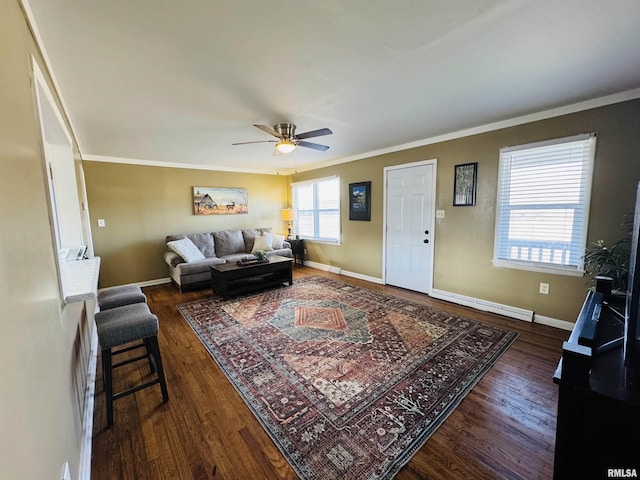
(261, 255)
(602, 260)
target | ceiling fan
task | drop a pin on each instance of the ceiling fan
(287, 138)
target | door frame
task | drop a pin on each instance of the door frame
(432, 237)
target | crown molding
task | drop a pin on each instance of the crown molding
(489, 127)
(188, 166)
(533, 117)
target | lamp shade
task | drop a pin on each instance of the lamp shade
(286, 214)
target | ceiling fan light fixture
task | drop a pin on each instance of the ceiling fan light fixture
(288, 140)
(285, 146)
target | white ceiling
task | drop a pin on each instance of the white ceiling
(172, 82)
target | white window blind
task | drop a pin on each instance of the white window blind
(317, 209)
(543, 204)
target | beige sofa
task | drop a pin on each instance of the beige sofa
(189, 266)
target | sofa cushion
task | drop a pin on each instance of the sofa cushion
(204, 242)
(250, 235)
(262, 243)
(228, 242)
(236, 257)
(171, 238)
(277, 241)
(186, 249)
(200, 266)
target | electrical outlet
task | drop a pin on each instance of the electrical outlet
(544, 288)
(439, 213)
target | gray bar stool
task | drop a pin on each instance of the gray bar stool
(112, 297)
(122, 325)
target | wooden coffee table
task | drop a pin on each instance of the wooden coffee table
(230, 278)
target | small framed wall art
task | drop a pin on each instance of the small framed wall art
(360, 201)
(464, 184)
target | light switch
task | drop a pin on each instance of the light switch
(101, 222)
(439, 213)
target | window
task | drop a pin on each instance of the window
(543, 204)
(317, 209)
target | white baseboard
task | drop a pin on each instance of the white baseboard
(147, 283)
(150, 283)
(360, 276)
(323, 267)
(339, 271)
(553, 322)
(484, 305)
(477, 303)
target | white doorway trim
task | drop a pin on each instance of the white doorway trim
(53, 132)
(386, 170)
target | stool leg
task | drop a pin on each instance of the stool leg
(104, 375)
(108, 383)
(149, 348)
(155, 349)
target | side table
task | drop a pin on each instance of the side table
(297, 248)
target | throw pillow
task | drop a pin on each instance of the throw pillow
(261, 243)
(249, 236)
(277, 242)
(269, 238)
(186, 249)
(228, 242)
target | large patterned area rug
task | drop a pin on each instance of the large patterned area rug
(348, 382)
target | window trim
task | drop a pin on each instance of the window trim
(327, 241)
(533, 266)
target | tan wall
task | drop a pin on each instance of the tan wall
(141, 205)
(361, 248)
(40, 421)
(138, 218)
(464, 238)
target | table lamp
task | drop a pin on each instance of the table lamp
(286, 214)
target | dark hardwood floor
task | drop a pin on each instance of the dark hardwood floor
(504, 429)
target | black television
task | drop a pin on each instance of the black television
(632, 308)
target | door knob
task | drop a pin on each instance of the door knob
(426, 232)
(426, 240)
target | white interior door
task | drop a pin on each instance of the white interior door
(409, 213)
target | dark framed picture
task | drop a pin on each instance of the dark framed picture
(360, 201)
(464, 184)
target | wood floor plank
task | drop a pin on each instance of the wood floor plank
(504, 428)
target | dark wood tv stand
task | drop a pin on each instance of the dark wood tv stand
(598, 427)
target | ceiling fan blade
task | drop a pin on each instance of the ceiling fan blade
(314, 133)
(315, 146)
(269, 130)
(259, 141)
